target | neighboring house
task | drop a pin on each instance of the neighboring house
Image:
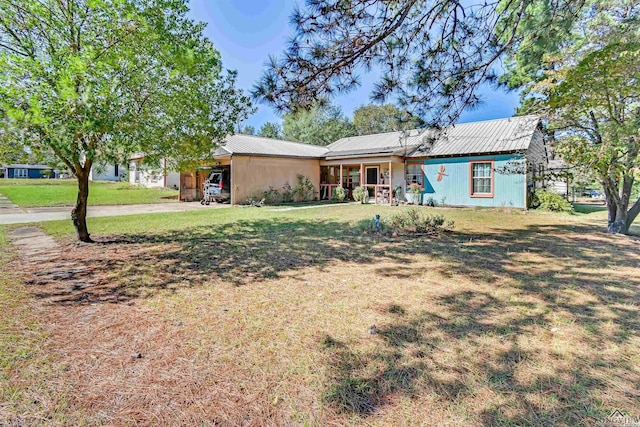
(28, 171)
(557, 177)
(490, 163)
(151, 176)
(112, 172)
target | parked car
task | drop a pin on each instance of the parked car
(217, 187)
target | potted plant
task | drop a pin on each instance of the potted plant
(414, 192)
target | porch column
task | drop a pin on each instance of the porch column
(340, 181)
(390, 184)
(361, 174)
(232, 180)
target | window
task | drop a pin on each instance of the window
(116, 170)
(414, 174)
(481, 179)
(21, 173)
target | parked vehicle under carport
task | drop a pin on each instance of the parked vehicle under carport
(217, 186)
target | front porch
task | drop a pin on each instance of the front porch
(380, 176)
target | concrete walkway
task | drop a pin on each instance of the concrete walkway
(6, 207)
(56, 214)
(323, 205)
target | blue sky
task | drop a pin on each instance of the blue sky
(247, 32)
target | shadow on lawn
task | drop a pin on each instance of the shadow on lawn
(560, 264)
(440, 352)
(426, 354)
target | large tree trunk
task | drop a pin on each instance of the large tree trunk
(617, 196)
(79, 213)
(618, 225)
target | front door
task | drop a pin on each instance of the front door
(371, 176)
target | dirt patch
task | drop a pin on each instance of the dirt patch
(117, 361)
(273, 322)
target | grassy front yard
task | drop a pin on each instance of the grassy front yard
(248, 316)
(32, 193)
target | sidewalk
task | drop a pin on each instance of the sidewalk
(6, 207)
(17, 216)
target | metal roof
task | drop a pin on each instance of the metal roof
(258, 146)
(491, 136)
(381, 143)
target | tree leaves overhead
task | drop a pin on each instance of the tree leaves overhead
(586, 86)
(433, 54)
(321, 125)
(92, 81)
(370, 119)
(98, 79)
(270, 130)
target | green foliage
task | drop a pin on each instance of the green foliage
(109, 79)
(304, 190)
(411, 221)
(548, 200)
(288, 193)
(415, 188)
(272, 196)
(371, 119)
(587, 88)
(360, 194)
(114, 78)
(320, 125)
(339, 194)
(431, 55)
(248, 130)
(270, 130)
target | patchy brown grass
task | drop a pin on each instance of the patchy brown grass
(267, 320)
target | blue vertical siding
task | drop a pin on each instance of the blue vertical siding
(453, 189)
(32, 173)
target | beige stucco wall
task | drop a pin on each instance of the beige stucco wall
(251, 175)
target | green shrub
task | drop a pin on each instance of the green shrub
(288, 193)
(304, 189)
(360, 194)
(338, 194)
(412, 221)
(272, 196)
(548, 200)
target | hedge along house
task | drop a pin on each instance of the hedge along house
(254, 165)
(489, 163)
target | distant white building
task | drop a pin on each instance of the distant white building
(151, 176)
(558, 181)
(113, 172)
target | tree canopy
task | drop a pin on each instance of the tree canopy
(370, 119)
(270, 130)
(320, 125)
(95, 80)
(587, 89)
(433, 54)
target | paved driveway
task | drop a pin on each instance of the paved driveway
(17, 216)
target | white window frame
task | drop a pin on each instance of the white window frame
(21, 173)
